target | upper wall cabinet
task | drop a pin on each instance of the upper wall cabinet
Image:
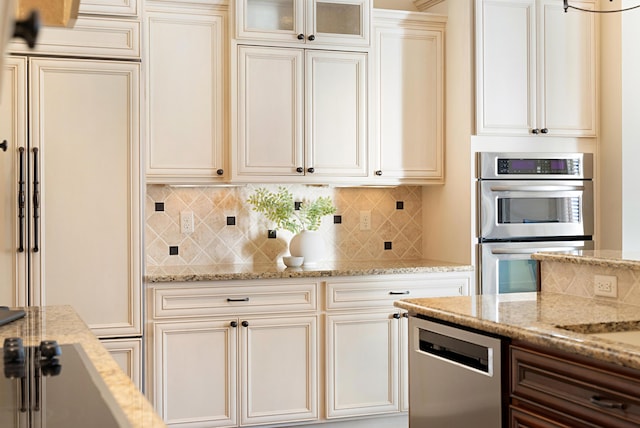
(305, 22)
(186, 120)
(536, 68)
(408, 97)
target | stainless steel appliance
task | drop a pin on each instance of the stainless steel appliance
(527, 203)
(456, 377)
(53, 385)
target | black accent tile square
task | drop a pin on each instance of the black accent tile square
(399, 205)
(271, 234)
(297, 205)
(337, 219)
(173, 250)
(231, 221)
(159, 206)
(387, 245)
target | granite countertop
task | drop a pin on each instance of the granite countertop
(604, 258)
(220, 272)
(61, 323)
(537, 318)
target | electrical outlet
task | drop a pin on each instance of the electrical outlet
(605, 285)
(186, 222)
(365, 220)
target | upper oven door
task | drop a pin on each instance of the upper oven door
(511, 210)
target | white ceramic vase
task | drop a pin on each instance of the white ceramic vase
(308, 244)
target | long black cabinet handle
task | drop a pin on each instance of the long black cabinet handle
(605, 403)
(21, 199)
(394, 293)
(243, 299)
(36, 201)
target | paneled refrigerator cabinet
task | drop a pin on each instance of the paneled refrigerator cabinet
(70, 190)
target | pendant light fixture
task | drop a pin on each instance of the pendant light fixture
(568, 6)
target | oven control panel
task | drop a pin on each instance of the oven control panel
(569, 167)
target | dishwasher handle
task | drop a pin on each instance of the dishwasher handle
(460, 351)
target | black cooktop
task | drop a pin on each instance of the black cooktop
(51, 386)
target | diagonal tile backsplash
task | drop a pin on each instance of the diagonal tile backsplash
(227, 230)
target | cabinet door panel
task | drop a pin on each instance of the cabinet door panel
(128, 355)
(506, 71)
(410, 120)
(84, 121)
(279, 370)
(569, 69)
(270, 109)
(13, 130)
(185, 93)
(195, 373)
(336, 131)
(362, 359)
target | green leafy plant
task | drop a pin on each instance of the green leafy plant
(279, 207)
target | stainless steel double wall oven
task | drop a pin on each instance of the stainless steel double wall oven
(527, 203)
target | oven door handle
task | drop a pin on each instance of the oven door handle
(531, 250)
(516, 188)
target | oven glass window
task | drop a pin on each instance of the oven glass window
(538, 210)
(515, 276)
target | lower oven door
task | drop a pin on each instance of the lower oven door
(507, 267)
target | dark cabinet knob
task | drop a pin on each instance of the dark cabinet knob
(3, 145)
(233, 324)
(28, 29)
(405, 315)
(245, 323)
(220, 171)
(13, 350)
(49, 349)
(301, 36)
(312, 37)
(396, 316)
(300, 169)
(311, 170)
(544, 130)
(535, 131)
(378, 173)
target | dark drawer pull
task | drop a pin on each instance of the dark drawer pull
(395, 293)
(605, 403)
(243, 299)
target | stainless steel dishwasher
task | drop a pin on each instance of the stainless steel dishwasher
(455, 377)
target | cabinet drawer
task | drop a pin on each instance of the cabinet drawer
(90, 37)
(382, 292)
(213, 301)
(592, 393)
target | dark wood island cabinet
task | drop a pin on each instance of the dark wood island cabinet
(551, 388)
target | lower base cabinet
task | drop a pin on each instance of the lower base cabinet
(558, 389)
(266, 352)
(269, 364)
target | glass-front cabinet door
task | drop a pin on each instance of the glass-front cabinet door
(310, 22)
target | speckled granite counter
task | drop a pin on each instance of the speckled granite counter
(603, 258)
(538, 317)
(221, 272)
(61, 323)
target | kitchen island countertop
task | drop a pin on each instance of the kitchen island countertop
(542, 319)
(221, 272)
(61, 323)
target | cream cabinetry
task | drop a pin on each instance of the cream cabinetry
(228, 354)
(185, 57)
(305, 22)
(361, 321)
(128, 355)
(409, 97)
(536, 68)
(110, 7)
(301, 115)
(78, 176)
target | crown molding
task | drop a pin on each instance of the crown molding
(423, 5)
